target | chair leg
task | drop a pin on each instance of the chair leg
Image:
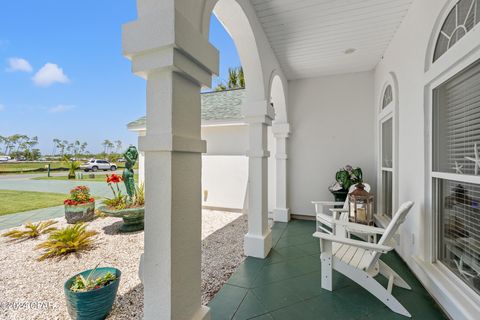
(386, 271)
(371, 285)
(326, 261)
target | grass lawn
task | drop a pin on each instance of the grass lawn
(18, 201)
(98, 177)
(29, 166)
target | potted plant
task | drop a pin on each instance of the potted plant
(129, 207)
(91, 293)
(80, 206)
(344, 178)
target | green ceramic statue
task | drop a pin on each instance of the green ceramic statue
(130, 157)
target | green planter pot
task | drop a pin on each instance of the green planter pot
(95, 304)
(133, 218)
(80, 212)
(340, 196)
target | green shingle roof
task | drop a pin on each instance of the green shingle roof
(216, 106)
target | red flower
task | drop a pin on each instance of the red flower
(113, 178)
(91, 200)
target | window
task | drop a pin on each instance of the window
(461, 19)
(387, 97)
(387, 152)
(456, 166)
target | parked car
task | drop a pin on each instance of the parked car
(4, 158)
(95, 165)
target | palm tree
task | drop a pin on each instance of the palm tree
(241, 77)
(83, 147)
(107, 145)
(56, 145)
(118, 144)
(232, 78)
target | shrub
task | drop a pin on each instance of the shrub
(67, 240)
(32, 230)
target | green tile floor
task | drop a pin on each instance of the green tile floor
(286, 285)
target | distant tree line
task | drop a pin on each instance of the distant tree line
(20, 146)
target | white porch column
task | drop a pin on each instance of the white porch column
(258, 240)
(281, 132)
(176, 60)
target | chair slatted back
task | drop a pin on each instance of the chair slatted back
(391, 229)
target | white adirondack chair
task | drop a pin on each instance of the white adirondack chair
(326, 213)
(360, 261)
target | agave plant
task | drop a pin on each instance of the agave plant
(32, 230)
(67, 240)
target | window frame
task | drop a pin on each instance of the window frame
(384, 114)
(465, 52)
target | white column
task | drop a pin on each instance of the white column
(281, 132)
(175, 60)
(258, 240)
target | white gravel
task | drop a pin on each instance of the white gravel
(30, 289)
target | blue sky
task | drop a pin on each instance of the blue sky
(62, 74)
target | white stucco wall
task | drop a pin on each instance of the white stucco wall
(226, 140)
(331, 121)
(406, 59)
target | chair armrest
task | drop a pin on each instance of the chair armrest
(357, 227)
(354, 243)
(341, 210)
(328, 203)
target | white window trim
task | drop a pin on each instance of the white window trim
(384, 114)
(459, 298)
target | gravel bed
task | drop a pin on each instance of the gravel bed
(37, 287)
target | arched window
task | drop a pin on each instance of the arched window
(387, 152)
(387, 96)
(461, 19)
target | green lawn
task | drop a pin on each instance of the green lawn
(98, 177)
(32, 166)
(18, 201)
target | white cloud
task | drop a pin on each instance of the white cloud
(49, 74)
(61, 108)
(2, 107)
(19, 64)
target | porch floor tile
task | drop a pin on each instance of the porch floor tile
(286, 285)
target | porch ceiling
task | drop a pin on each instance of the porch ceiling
(309, 37)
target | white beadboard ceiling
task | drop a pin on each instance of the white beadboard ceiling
(309, 37)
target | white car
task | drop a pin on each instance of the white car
(95, 165)
(5, 158)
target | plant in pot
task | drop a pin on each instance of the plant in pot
(91, 293)
(129, 207)
(344, 179)
(80, 206)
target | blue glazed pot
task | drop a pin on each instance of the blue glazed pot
(95, 304)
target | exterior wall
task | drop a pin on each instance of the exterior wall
(406, 59)
(331, 119)
(226, 140)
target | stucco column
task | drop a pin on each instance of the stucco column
(258, 240)
(281, 132)
(176, 60)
